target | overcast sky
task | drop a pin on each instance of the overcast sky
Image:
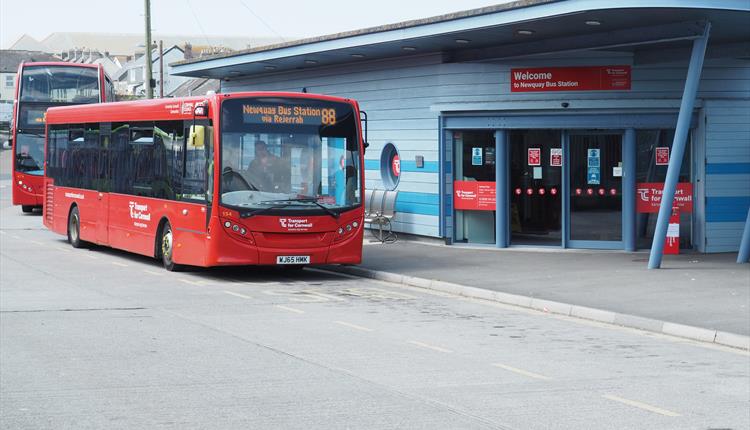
(299, 18)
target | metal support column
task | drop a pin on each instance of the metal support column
(678, 146)
(502, 186)
(628, 190)
(744, 254)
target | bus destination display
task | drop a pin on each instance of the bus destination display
(288, 114)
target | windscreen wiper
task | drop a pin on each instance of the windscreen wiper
(313, 200)
(249, 214)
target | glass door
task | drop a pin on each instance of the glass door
(595, 190)
(536, 160)
(474, 187)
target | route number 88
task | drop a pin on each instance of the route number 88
(329, 117)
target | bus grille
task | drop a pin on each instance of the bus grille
(49, 201)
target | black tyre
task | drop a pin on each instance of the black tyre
(74, 228)
(167, 249)
(27, 209)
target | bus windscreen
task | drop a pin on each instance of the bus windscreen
(59, 84)
(289, 154)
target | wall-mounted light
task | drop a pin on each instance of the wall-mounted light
(409, 48)
(311, 62)
(358, 55)
(593, 22)
(463, 41)
(269, 67)
(525, 32)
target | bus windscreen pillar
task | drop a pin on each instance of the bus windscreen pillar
(678, 147)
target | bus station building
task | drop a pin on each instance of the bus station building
(542, 123)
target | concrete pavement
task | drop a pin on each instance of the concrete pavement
(97, 338)
(694, 294)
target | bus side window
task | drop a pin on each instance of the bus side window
(58, 151)
(141, 157)
(102, 178)
(118, 158)
(199, 138)
(168, 141)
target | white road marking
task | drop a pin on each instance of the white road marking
(521, 371)
(432, 347)
(16, 237)
(118, 264)
(641, 405)
(188, 281)
(151, 272)
(35, 242)
(354, 326)
(93, 257)
(287, 308)
(238, 295)
(60, 248)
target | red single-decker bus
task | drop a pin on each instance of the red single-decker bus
(227, 179)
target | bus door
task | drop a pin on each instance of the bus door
(103, 184)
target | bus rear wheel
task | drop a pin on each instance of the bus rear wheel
(167, 249)
(74, 228)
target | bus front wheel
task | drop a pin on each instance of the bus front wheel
(167, 249)
(27, 209)
(74, 228)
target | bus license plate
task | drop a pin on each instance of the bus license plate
(293, 259)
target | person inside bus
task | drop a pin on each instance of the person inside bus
(266, 170)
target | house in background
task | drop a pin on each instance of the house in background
(131, 78)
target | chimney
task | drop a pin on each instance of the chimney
(188, 51)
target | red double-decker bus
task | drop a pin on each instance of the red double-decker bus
(227, 179)
(39, 86)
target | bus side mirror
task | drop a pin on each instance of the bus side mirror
(201, 109)
(363, 119)
(197, 137)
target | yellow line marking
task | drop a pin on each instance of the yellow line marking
(521, 371)
(641, 405)
(151, 272)
(287, 308)
(354, 326)
(238, 295)
(118, 264)
(432, 347)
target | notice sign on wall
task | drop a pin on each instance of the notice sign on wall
(648, 197)
(535, 156)
(474, 195)
(555, 157)
(594, 78)
(662, 156)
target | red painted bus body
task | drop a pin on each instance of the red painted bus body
(40, 85)
(231, 225)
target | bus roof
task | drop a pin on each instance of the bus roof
(58, 64)
(158, 109)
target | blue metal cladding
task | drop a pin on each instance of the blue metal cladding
(728, 168)
(727, 209)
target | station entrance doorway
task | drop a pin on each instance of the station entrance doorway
(564, 187)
